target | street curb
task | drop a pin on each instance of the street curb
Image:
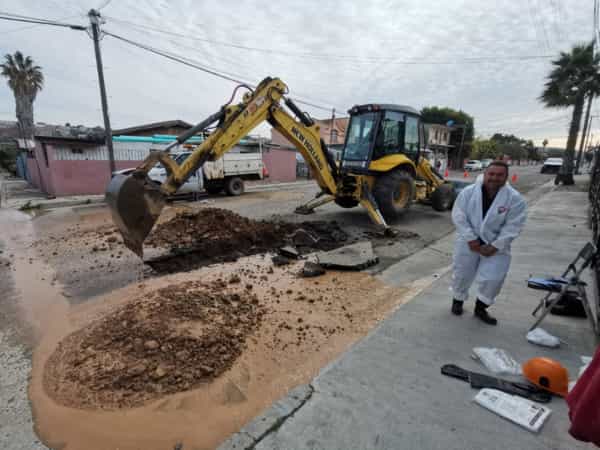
(60, 204)
(270, 420)
(50, 204)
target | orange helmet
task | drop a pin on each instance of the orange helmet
(548, 374)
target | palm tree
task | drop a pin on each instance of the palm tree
(574, 77)
(25, 80)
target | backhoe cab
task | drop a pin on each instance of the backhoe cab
(382, 151)
(381, 168)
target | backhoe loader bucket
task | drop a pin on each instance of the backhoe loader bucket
(135, 203)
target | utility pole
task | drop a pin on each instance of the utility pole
(589, 133)
(95, 24)
(584, 135)
(460, 149)
(332, 125)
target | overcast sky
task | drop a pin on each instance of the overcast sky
(461, 54)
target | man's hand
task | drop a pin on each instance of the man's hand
(475, 245)
(488, 250)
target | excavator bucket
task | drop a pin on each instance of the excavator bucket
(135, 203)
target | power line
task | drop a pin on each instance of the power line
(38, 21)
(104, 5)
(351, 59)
(190, 63)
(535, 24)
(15, 30)
(542, 24)
(178, 59)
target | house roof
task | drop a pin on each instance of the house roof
(151, 126)
(86, 139)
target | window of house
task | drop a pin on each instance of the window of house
(78, 151)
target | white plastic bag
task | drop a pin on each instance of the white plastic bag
(519, 410)
(540, 336)
(497, 360)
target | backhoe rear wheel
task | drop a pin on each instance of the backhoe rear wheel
(394, 192)
(442, 198)
(234, 186)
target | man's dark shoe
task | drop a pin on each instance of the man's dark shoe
(481, 312)
(457, 307)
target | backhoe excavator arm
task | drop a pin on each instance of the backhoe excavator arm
(239, 121)
(136, 202)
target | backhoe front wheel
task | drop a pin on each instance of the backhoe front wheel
(442, 198)
(234, 186)
(394, 192)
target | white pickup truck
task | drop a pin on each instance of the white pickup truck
(225, 174)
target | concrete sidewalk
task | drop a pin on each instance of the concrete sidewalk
(387, 392)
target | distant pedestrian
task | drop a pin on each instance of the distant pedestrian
(488, 216)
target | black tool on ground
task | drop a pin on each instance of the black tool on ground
(480, 380)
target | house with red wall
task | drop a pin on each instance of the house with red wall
(67, 165)
(62, 166)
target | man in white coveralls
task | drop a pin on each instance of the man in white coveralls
(488, 216)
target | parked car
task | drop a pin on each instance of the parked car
(552, 165)
(485, 163)
(474, 164)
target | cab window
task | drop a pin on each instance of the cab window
(411, 138)
(391, 135)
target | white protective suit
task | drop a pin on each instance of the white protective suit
(503, 223)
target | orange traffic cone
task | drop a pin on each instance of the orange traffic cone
(466, 174)
(446, 174)
(514, 178)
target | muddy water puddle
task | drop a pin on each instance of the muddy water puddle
(305, 324)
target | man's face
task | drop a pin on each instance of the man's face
(494, 178)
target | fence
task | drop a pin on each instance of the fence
(594, 196)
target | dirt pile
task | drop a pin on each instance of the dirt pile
(218, 235)
(171, 341)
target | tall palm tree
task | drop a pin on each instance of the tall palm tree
(25, 80)
(574, 77)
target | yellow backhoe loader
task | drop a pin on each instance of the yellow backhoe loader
(381, 167)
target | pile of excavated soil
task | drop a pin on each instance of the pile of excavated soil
(218, 235)
(225, 229)
(169, 341)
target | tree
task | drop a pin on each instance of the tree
(484, 149)
(25, 80)
(533, 153)
(441, 115)
(574, 76)
(511, 146)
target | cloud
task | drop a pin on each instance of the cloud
(332, 53)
